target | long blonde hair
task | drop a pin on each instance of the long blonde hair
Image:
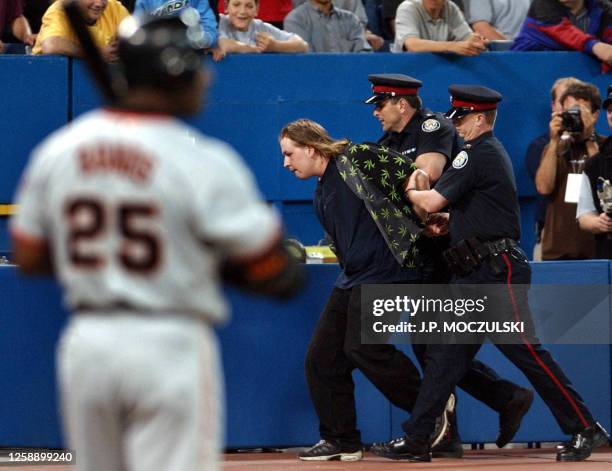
(307, 133)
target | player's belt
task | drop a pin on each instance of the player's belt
(123, 307)
(107, 307)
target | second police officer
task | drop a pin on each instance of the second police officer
(430, 140)
(480, 191)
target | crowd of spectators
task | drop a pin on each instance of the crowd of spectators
(463, 27)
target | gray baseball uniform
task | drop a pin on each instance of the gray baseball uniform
(138, 210)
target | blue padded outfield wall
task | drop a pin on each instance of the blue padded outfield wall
(263, 353)
(253, 96)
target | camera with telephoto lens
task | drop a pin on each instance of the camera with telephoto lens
(571, 120)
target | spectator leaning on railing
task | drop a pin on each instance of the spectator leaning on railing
(13, 22)
(240, 31)
(103, 18)
(389, 10)
(496, 19)
(572, 142)
(579, 25)
(357, 7)
(327, 28)
(435, 26)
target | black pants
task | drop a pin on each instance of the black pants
(480, 381)
(446, 365)
(335, 350)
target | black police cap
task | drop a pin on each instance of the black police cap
(467, 99)
(608, 101)
(391, 85)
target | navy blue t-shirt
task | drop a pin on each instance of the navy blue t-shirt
(361, 249)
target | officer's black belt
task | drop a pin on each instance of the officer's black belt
(467, 255)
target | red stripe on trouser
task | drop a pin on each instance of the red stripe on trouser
(533, 352)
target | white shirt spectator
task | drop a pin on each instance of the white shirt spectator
(412, 20)
(507, 16)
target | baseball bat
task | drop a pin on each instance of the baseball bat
(93, 58)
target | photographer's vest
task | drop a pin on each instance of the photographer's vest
(562, 238)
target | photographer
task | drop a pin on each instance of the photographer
(533, 157)
(572, 143)
(594, 211)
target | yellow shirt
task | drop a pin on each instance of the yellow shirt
(104, 31)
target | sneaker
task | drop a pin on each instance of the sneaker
(510, 418)
(581, 445)
(328, 450)
(403, 448)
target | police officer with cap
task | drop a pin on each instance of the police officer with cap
(480, 191)
(416, 132)
(430, 139)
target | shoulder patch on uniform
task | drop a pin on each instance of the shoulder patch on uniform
(430, 125)
(461, 160)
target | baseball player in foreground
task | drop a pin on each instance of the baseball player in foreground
(138, 215)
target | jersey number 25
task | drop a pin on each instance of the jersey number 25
(90, 219)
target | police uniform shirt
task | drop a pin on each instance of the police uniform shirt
(481, 190)
(426, 132)
(361, 249)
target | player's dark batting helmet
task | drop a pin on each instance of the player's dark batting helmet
(161, 52)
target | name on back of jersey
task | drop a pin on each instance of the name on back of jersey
(125, 160)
